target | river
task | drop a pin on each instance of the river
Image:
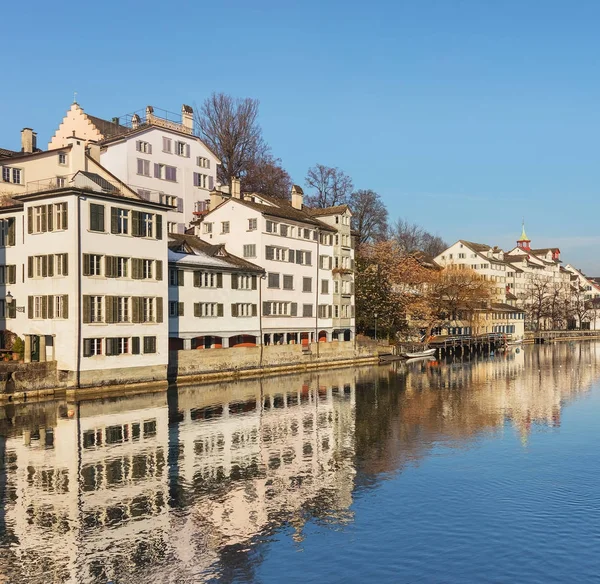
(469, 471)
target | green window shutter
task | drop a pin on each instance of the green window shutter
(44, 306)
(219, 280)
(159, 270)
(50, 218)
(159, 234)
(135, 345)
(181, 278)
(254, 310)
(30, 220)
(65, 264)
(196, 308)
(50, 265)
(44, 218)
(234, 281)
(136, 268)
(65, 214)
(135, 223)
(234, 311)
(159, 309)
(110, 313)
(197, 279)
(12, 274)
(86, 309)
(50, 307)
(219, 310)
(110, 347)
(87, 347)
(180, 308)
(11, 232)
(86, 264)
(30, 267)
(266, 308)
(294, 309)
(44, 266)
(114, 223)
(108, 267)
(65, 301)
(254, 282)
(30, 307)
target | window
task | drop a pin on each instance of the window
(304, 257)
(122, 309)
(324, 286)
(250, 250)
(208, 279)
(96, 217)
(59, 216)
(60, 306)
(147, 269)
(61, 182)
(283, 230)
(61, 264)
(149, 347)
(202, 162)
(207, 227)
(201, 181)
(175, 309)
(62, 158)
(288, 282)
(165, 172)
(167, 144)
(122, 267)
(171, 227)
(277, 308)
(273, 280)
(147, 309)
(7, 232)
(8, 274)
(244, 309)
(92, 264)
(92, 347)
(165, 199)
(208, 309)
(176, 277)
(324, 311)
(182, 149)
(12, 175)
(143, 167)
(224, 226)
(306, 284)
(252, 224)
(144, 147)
(146, 224)
(307, 234)
(242, 282)
(95, 309)
(271, 227)
(116, 346)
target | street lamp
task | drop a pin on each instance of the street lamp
(375, 326)
(9, 298)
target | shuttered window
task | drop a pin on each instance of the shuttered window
(96, 217)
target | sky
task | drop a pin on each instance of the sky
(466, 116)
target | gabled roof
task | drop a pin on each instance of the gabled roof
(426, 261)
(544, 250)
(5, 153)
(475, 246)
(108, 129)
(192, 249)
(336, 210)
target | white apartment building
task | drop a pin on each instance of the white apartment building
(214, 296)
(155, 154)
(82, 268)
(296, 251)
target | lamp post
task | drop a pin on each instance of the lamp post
(375, 325)
(9, 298)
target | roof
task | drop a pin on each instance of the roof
(505, 307)
(338, 209)
(5, 153)
(108, 129)
(476, 246)
(98, 180)
(37, 153)
(514, 257)
(511, 296)
(282, 209)
(524, 235)
(426, 261)
(544, 250)
(192, 249)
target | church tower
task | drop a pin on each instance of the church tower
(523, 242)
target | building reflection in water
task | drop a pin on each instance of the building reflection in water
(187, 486)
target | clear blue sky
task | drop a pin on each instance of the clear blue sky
(464, 115)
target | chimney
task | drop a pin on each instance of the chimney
(149, 114)
(93, 150)
(135, 121)
(28, 141)
(297, 197)
(187, 118)
(236, 188)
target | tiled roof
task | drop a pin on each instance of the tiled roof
(5, 153)
(476, 246)
(181, 243)
(543, 250)
(514, 258)
(108, 129)
(426, 260)
(505, 307)
(326, 211)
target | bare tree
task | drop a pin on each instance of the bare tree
(411, 237)
(369, 216)
(267, 176)
(229, 126)
(330, 186)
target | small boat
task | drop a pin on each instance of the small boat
(420, 354)
(514, 343)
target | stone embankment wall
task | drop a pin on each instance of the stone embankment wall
(17, 377)
(271, 358)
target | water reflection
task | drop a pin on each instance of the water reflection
(190, 486)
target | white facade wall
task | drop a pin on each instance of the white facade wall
(238, 216)
(121, 158)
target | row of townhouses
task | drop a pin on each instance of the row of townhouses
(531, 287)
(118, 245)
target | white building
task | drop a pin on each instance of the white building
(297, 252)
(157, 156)
(214, 296)
(82, 268)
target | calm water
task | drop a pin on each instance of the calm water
(481, 471)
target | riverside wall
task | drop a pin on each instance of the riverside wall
(198, 365)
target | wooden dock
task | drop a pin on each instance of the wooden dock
(465, 345)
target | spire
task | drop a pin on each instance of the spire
(524, 241)
(523, 234)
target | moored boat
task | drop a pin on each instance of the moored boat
(419, 354)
